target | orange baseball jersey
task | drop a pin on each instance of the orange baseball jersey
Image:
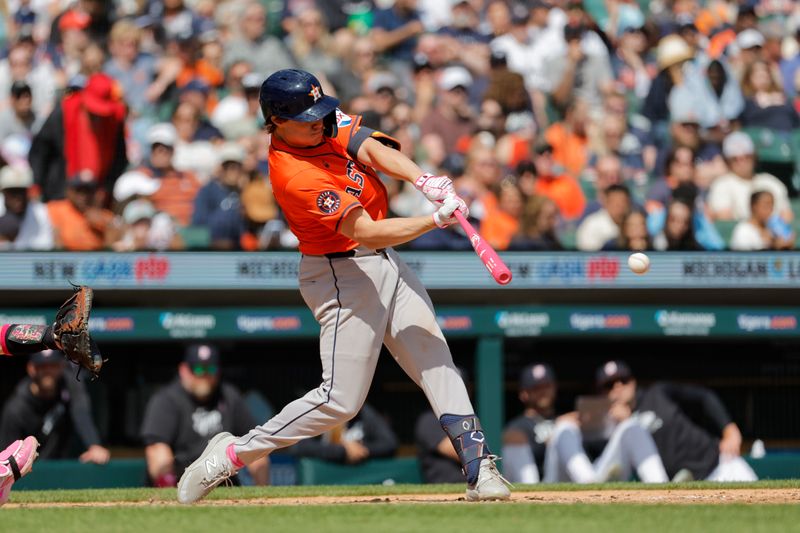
(317, 186)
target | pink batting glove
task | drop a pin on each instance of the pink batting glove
(435, 188)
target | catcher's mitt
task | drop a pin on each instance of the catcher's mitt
(71, 331)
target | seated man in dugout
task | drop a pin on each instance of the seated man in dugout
(182, 417)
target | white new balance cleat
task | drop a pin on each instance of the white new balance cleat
(209, 470)
(490, 485)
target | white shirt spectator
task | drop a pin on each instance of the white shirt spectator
(747, 237)
(35, 231)
(530, 58)
(596, 230)
(42, 80)
(730, 192)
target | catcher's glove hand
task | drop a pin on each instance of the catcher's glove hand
(71, 331)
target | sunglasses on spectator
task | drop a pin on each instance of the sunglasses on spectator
(610, 384)
(205, 370)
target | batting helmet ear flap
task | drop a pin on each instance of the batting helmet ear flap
(330, 127)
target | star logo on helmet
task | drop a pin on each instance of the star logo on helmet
(316, 93)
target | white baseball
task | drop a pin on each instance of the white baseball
(639, 263)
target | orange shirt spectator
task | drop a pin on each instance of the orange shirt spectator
(177, 190)
(498, 228)
(204, 72)
(569, 149)
(563, 189)
(176, 195)
(568, 138)
(78, 225)
(501, 221)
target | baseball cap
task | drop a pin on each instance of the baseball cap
(498, 58)
(74, 20)
(201, 354)
(202, 358)
(44, 357)
(82, 178)
(20, 87)
(520, 14)
(749, 38)
(672, 50)
(420, 61)
(612, 371)
(197, 85)
(685, 21)
(14, 149)
(102, 95)
(382, 80)
(630, 20)
(536, 374)
(15, 177)
(162, 133)
(138, 210)
(453, 77)
(135, 183)
(231, 152)
(737, 144)
(251, 80)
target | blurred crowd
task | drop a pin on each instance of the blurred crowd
(566, 124)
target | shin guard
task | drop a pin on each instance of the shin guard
(467, 436)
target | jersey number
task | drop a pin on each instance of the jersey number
(355, 176)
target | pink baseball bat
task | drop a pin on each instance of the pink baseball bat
(486, 253)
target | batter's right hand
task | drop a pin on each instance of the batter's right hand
(443, 216)
(435, 188)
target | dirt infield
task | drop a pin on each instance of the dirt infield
(650, 496)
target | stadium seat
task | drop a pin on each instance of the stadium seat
(375, 471)
(195, 237)
(588, 188)
(772, 146)
(725, 229)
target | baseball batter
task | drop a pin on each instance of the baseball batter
(323, 170)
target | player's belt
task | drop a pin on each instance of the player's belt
(353, 253)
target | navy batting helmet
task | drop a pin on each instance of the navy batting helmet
(295, 95)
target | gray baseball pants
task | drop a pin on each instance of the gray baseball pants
(630, 448)
(361, 303)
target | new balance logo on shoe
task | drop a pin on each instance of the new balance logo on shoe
(211, 463)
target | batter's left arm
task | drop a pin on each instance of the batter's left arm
(387, 160)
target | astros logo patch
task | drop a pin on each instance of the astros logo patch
(315, 93)
(328, 202)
